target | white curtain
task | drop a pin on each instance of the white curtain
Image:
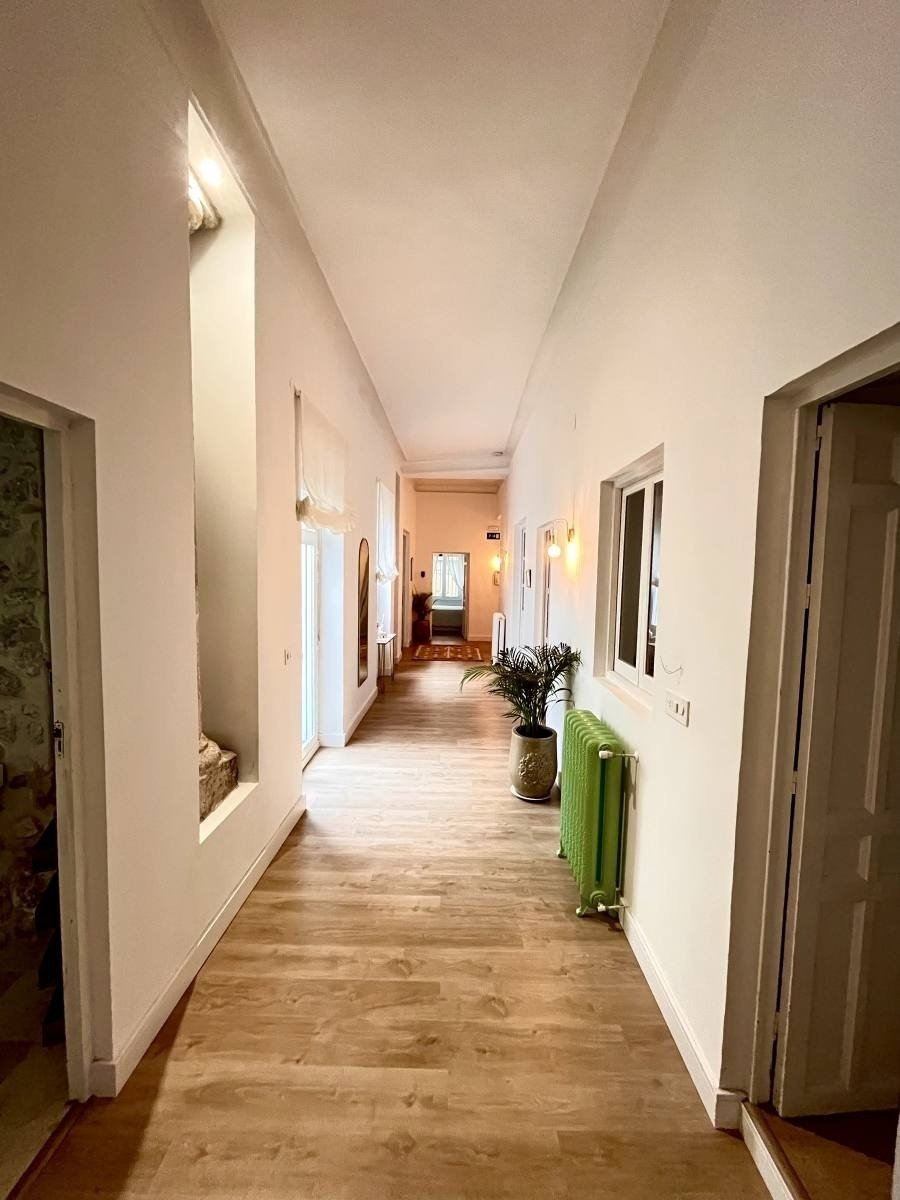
(386, 542)
(454, 566)
(321, 457)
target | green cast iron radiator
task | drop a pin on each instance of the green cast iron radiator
(593, 811)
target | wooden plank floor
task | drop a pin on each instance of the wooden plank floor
(407, 1008)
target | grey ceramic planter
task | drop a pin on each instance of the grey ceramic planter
(532, 765)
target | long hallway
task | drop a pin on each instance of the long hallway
(406, 1007)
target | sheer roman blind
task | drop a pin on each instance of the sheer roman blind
(386, 550)
(321, 456)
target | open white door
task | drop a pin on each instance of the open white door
(838, 1045)
(521, 567)
(309, 644)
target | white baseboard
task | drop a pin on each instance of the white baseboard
(759, 1145)
(723, 1107)
(108, 1076)
(336, 740)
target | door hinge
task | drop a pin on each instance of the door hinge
(818, 445)
(776, 1024)
(794, 783)
(59, 738)
(807, 596)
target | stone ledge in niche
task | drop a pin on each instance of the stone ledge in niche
(231, 802)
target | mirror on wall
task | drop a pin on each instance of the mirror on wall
(363, 611)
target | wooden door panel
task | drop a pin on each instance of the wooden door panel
(838, 1044)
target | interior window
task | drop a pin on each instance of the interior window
(637, 592)
(630, 576)
(653, 593)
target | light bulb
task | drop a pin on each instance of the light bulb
(496, 562)
(210, 172)
(553, 550)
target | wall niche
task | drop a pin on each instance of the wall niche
(222, 305)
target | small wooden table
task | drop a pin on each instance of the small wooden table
(383, 642)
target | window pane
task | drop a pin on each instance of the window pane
(437, 575)
(630, 578)
(653, 598)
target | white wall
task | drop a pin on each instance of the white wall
(458, 522)
(746, 232)
(95, 319)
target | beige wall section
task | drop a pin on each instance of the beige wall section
(95, 319)
(745, 233)
(458, 521)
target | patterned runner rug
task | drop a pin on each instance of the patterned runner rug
(464, 653)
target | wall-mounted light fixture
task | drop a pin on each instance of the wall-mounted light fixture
(210, 172)
(496, 562)
(554, 548)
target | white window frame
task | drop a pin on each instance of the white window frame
(635, 675)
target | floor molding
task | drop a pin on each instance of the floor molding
(108, 1076)
(336, 740)
(776, 1172)
(723, 1107)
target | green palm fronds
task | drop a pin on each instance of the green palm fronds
(528, 678)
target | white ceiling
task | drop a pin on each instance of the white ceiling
(444, 156)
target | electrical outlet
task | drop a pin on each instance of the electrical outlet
(678, 708)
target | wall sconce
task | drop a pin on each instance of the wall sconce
(554, 549)
(496, 564)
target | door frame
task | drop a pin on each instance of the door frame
(405, 587)
(464, 555)
(73, 597)
(314, 538)
(777, 632)
(827, 577)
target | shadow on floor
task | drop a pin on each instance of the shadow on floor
(839, 1156)
(129, 1163)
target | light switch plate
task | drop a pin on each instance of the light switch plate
(678, 708)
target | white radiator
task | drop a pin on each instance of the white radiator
(498, 635)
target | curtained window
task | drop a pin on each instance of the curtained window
(448, 580)
(321, 457)
(385, 558)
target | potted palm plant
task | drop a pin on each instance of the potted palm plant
(422, 604)
(529, 678)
